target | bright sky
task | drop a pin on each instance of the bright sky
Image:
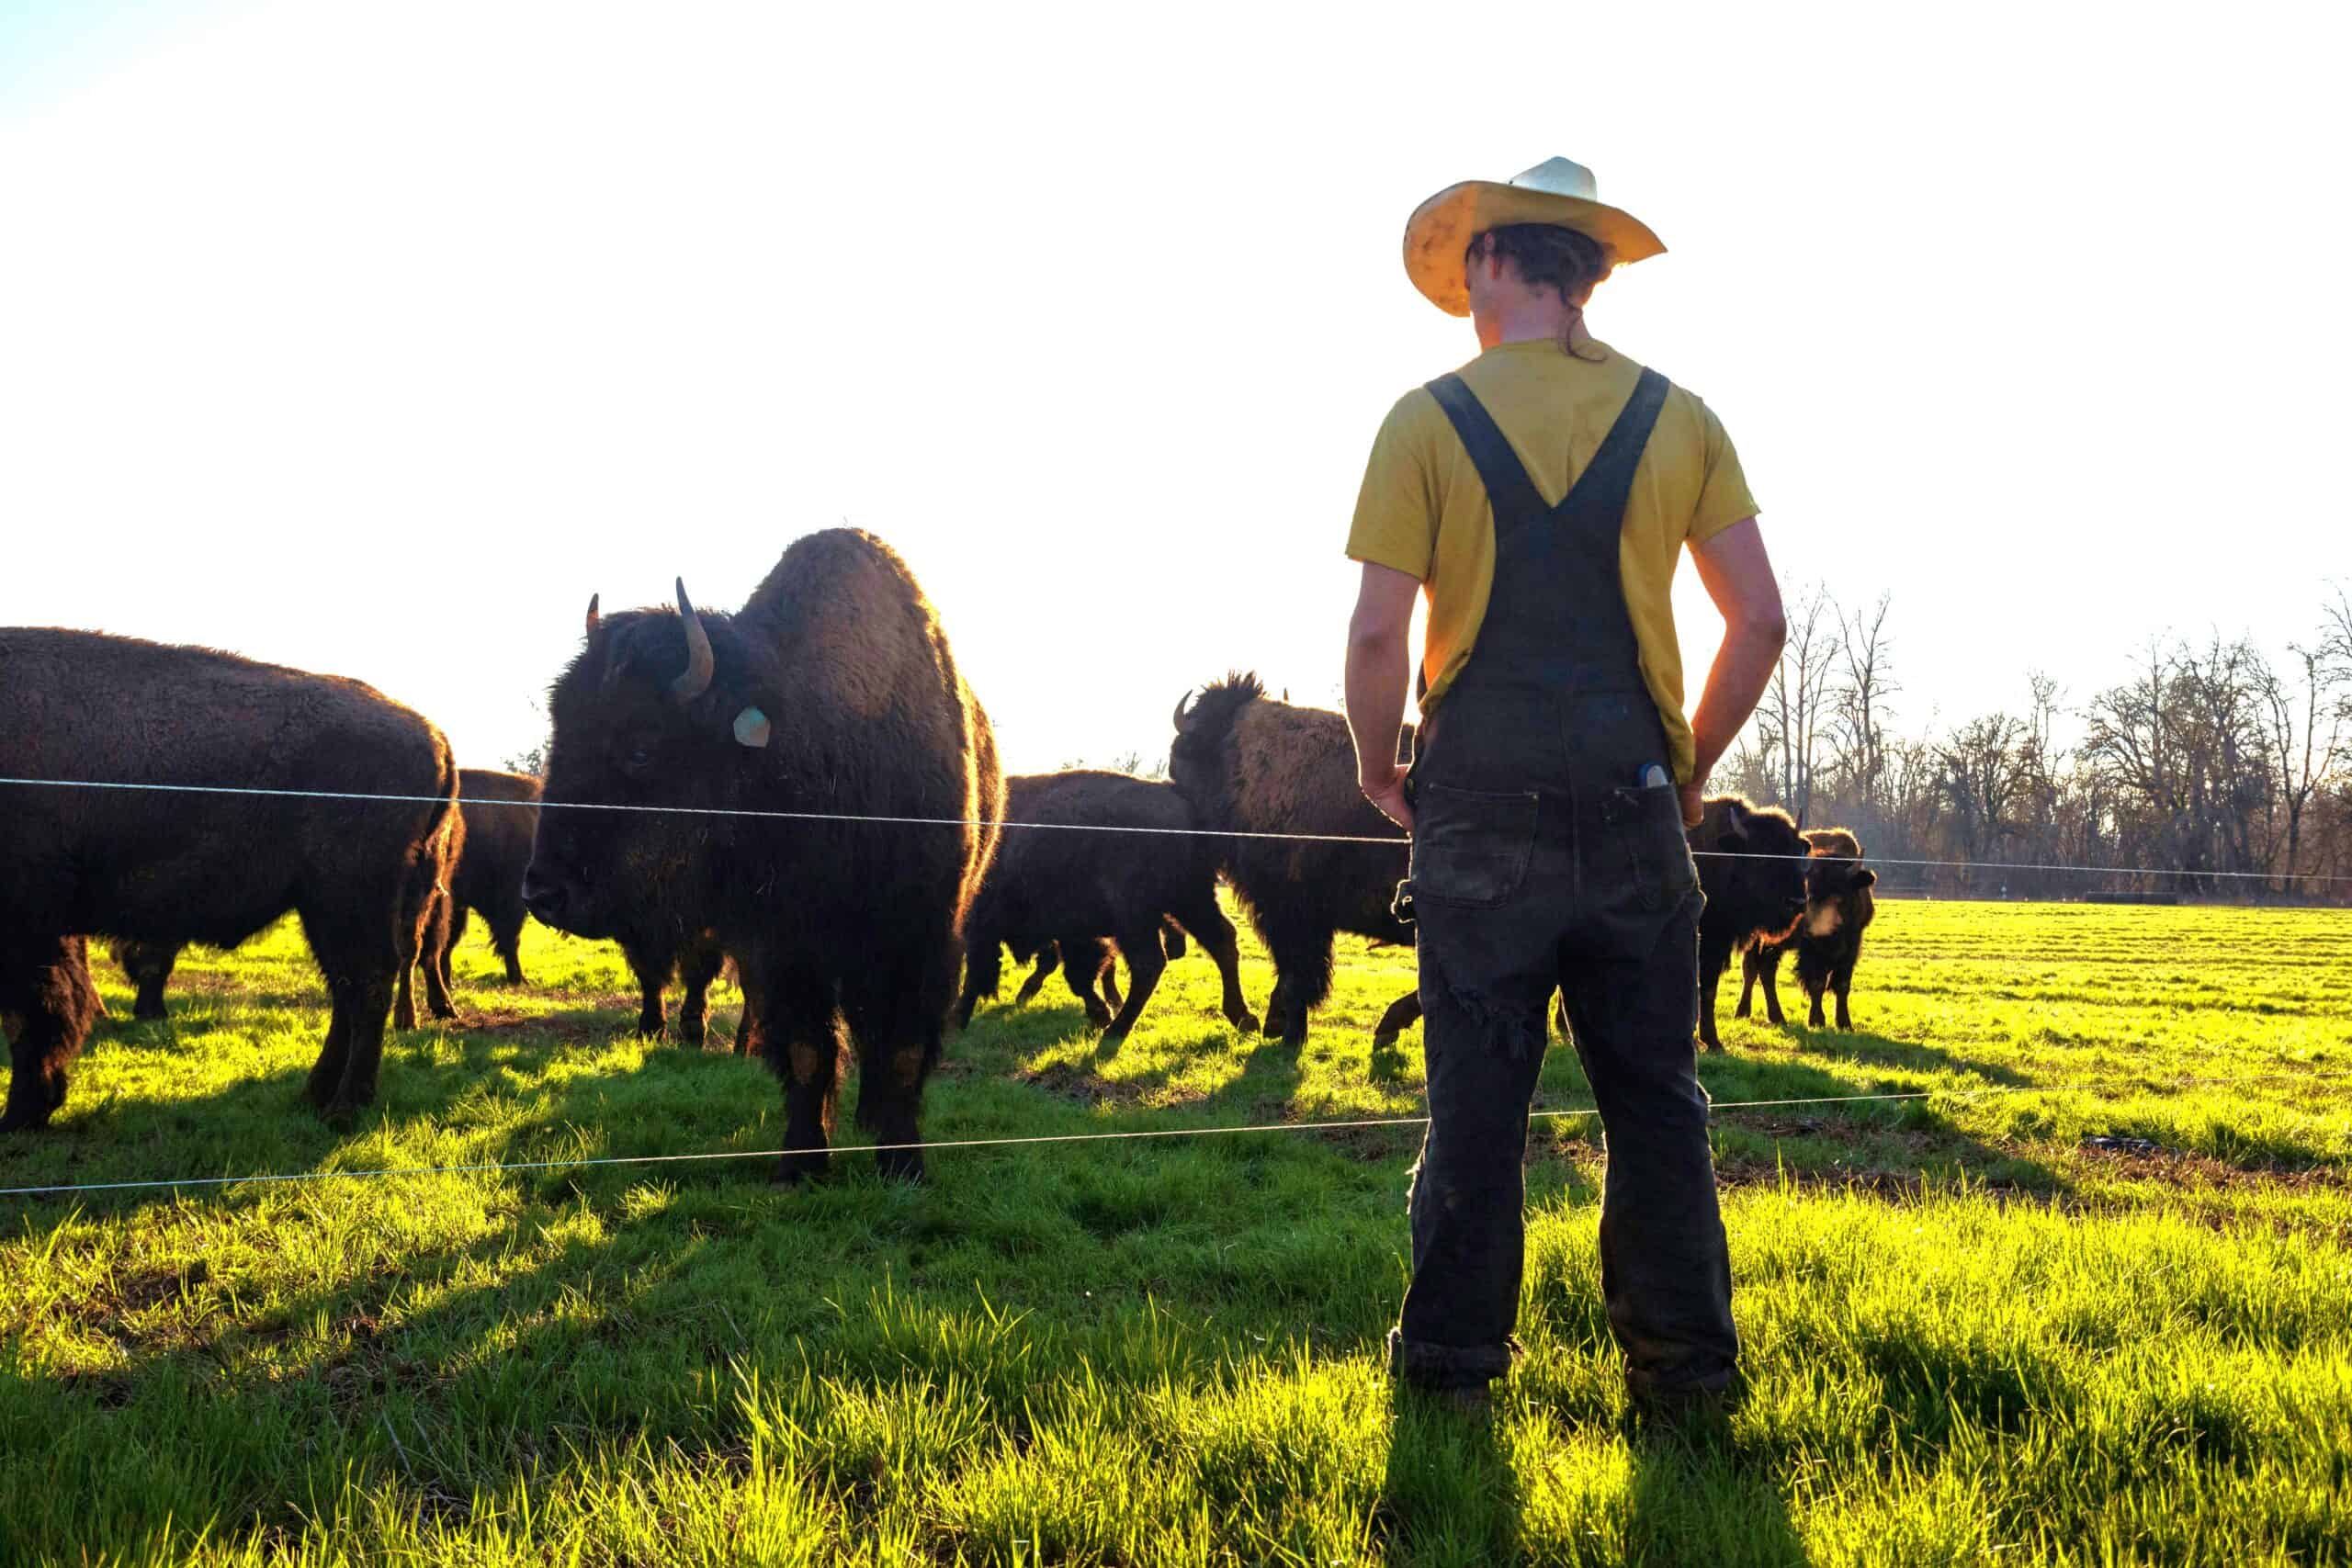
(374, 339)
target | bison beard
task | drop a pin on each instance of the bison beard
(1752, 869)
(1246, 762)
(1056, 885)
(1838, 908)
(167, 867)
(831, 691)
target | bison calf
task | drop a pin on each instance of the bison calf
(1055, 882)
(1838, 906)
(1752, 869)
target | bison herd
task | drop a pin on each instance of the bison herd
(805, 790)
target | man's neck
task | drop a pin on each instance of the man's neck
(1538, 321)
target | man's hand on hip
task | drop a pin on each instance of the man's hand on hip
(1387, 792)
(1694, 805)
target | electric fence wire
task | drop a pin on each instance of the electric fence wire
(1390, 840)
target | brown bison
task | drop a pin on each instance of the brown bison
(1752, 869)
(1246, 763)
(830, 699)
(177, 850)
(1838, 906)
(1055, 882)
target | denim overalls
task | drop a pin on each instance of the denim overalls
(1540, 859)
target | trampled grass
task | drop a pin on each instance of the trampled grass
(2089, 1302)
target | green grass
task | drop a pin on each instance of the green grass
(2090, 1303)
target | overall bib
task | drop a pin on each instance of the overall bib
(1541, 860)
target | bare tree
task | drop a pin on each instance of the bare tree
(2309, 723)
(1865, 685)
(1984, 767)
(1789, 720)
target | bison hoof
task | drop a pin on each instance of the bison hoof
(690, 1033)
(24, 1118)
(146, 1014)
(900, 1165)
(1245, 1021)
(799, 1169)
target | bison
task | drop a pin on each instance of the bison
(1838, 906)
(219, 799)
(810, 780)
(1055, 883)
(1752, 869)
(1249, 765)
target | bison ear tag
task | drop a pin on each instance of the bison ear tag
(751, 728)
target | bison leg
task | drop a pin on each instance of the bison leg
(896, 1025)
(1084, 959)
(448, 941)
(1714, 957)
(800, 1030)
(652, 972)
(1751, 963)
(149, 964)
(505, 939)
(1767, 961)
(1049, 959)
(436, 934)
(1402, 1014)
(1172, 939)
(1302, 979)
(1842, 981)
(1200, 916)
(48, 1004)
(984, 972)
(1147, 961)
(696, 970)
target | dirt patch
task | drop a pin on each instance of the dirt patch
(1084, 1085)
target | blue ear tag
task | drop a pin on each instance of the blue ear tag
(751, 728)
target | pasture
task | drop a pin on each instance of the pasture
(2090, 1302)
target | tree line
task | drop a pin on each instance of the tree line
(2226, 768)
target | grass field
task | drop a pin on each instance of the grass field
(2090, 1303)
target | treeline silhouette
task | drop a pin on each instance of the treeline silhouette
(2215, 759)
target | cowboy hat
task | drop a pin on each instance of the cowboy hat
(1555, 191)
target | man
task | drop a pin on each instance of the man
(1541, 497)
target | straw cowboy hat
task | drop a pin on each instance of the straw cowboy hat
(1555, 191)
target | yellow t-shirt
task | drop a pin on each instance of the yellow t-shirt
(1423, 511)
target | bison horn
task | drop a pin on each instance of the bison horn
(1181, 705)
(591, 613)
(695, 680)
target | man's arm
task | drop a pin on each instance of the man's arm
(1737, 576)
(1380, 671)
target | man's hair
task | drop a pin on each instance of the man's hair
(1545, 255)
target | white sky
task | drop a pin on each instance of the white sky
(373, 339)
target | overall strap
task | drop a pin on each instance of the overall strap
(1608, 479)
(1512, 494)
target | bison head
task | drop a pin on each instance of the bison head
(1199, 758)
(1757, 873)
(1834, 873)
(658, 720)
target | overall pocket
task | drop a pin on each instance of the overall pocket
(1471, 848)
(1648, 825)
